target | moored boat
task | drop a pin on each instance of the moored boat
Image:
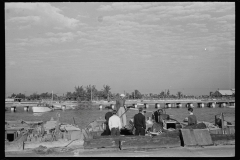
(41, 109)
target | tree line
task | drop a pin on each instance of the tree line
(90, 93)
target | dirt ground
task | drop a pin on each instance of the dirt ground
(206, 151)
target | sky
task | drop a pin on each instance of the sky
(152, 47)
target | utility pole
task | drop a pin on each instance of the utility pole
(134, 94)
(91, 92)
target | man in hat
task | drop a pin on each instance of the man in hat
(107, 116)
(140, 123)
(114, 124)
(121, 112)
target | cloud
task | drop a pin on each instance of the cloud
(43, 14)
(126, 6)
(195, 17)
(105, 8)
(25, 19)
(51, 38)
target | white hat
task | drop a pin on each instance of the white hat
(122, 95)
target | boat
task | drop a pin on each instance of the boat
(57, 106)
(41, 109)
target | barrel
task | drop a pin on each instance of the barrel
(146, 105)
(135, 105)
(213, 105)
(63, 107)
(112, 106)
(179, 105)
(157, 105)
(223, 104)
(26, 108)
(201, 105)
(13, 109)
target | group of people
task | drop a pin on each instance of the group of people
(116, 118)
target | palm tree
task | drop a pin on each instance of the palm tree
(179, 94)
(106, 90)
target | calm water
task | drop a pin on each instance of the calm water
(83, 117)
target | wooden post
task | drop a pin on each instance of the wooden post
(222, 121)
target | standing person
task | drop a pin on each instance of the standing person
(156, 115)
(121, 112)
(107, 116)
(114, 124)
(140, 123)
(192, 119)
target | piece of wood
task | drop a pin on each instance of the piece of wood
(202, 137)
(101, 143)
(148, 142)
(215, 131)
(223, 139)
(59, 143)
(17, 145)
(188, 137)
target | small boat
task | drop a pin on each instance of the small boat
(57, 106)
(41, 109)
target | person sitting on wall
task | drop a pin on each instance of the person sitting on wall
(192, 119)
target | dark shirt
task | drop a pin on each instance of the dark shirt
(192, 120)
(155, 116)
(139, 121)
(120, 103)
(107, 116)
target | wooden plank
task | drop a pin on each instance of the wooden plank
(148, 142)
(188, 137)
(202, 137)
(230, 129)
(215, 131)
(101, 143)
(216, 137)
(223, 139)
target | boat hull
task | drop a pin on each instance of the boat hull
(41, 109)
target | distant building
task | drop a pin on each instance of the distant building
(13, 99)
(221, 93)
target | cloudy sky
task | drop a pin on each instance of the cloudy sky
(180, 46)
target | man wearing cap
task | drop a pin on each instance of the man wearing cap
(121, 110)
(114, 124)
(140, 123)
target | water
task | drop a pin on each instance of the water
(83, 117)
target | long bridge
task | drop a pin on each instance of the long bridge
(178, 103)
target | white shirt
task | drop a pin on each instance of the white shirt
(114, 122)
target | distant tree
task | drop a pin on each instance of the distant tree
(34, 96)
(79, 93)
(68, 95)
(20, 95)
(168, 92)
(106, 91)
(179, 94)
(162, 94)
(138, 95)
(13, 95)
(150, 95)
(127, 95)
